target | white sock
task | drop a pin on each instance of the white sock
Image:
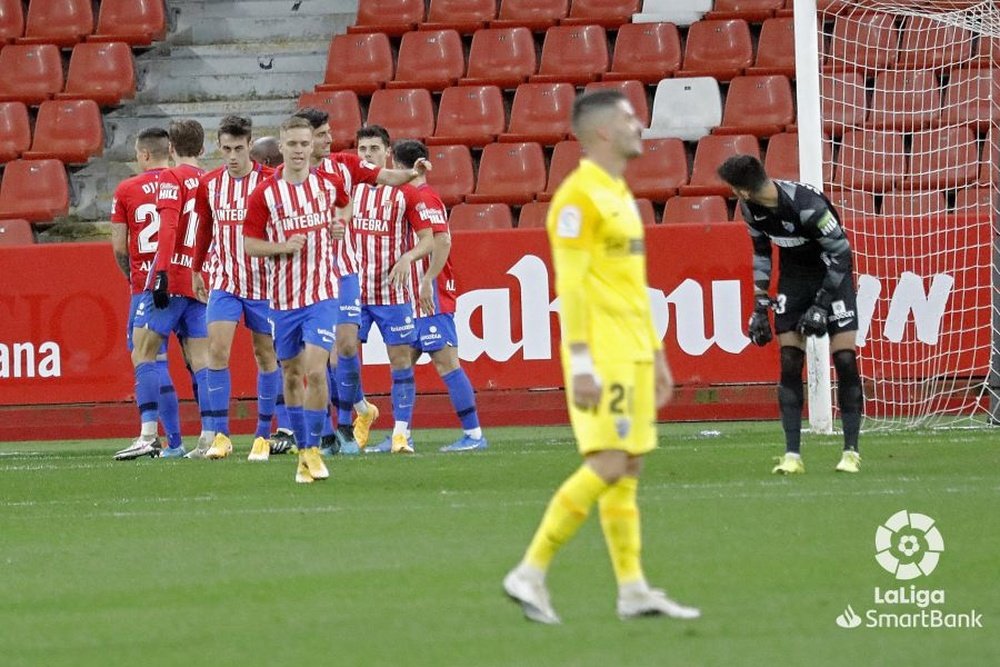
(475, 433)
(794, 455)
(401, 427)
(361, 407)
(148, 430)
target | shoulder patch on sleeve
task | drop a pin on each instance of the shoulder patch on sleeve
(569, 223)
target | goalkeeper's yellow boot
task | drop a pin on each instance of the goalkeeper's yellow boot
(260, 451)
(314, 462)
(302, 475)
(363, 425)
(789, 464)
(221, 447)
(849, 462)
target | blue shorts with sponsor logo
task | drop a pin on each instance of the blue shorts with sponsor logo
(395, 322)
(350, 300)
(133, 305)
(436, 332)
(224, 306)
(183, 316)
(312, 324)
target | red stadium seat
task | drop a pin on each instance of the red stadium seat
(407, 113)
(533, 215)
(135, 22)
(970, 199)
(988, 52)
(852, 203)
(362, 63)
(431, 59)
(758, 105)
(695, 209)
(782, 158)
(606, 13)
(862, 41)
(843, 100)
(565, 158)
(646, 211)
(31, 73)
(16, 232)
(990, 159)
(11, 20)
(452, 176)
(659, 171)
(36, 190)
(15, 130)
(509, 173)
(943, 159)
(345, 114)
(59, 22)
(912, 204)
(645, 51)
(540, 113)
(502, 57)
(532, 14)
(465, 16)
(905, 100)
(472, 115)
(927, 43)
(711, 152)
(68, 130)
(576, 54)
(471, 217)
(776, 48)
(969, 98)
(392, 17)
(870, 160)
(103, 72)
(753, 11)
(633, 90)
(721, 49)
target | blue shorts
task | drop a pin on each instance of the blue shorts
(395, 323)
(183, 316)
(133, 305)
(436, 332)
(350, 300)
(224, 306)
(312, 324)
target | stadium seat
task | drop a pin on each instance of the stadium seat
(752, 11)
(465, 16)
(16, 232)
(472, 115)
(407, 113)
(606, 13)
(905, 100)
(912, 204)
(540, 113)
(431, 59)
(852, 203)
(862, 41)
(11, 20)
(712, 151)
(970, 199)
(695, 209)
(36, 190)
(646, 211)
(510, 174)
(452, 176)
(645, 51)
(659, 171)
(362, 63)
(758, 105)
(969, 98)
(929, 44)
(68, 130)
(680, 12)
(843, 101)
(870, 160)
(990, 159)
(633, 90)
(392, 17)
(31, 73)
(943, 159)
(782, 158)
(472, 217)
(502, 57)
(565, 158)
(135, 22)
(776, 48)
(103, 72)
(988, 52)
(532, 215)
(685, 108)
(720, 49)
(574, 54)
(345, 114)
(535, 15)
(59, 22)
(15, 130)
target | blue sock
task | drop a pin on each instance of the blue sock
(170, 415)
(463, 398)
(219, 389)
(316, 421)
(403, 393)
(194, 384)
(297, 419)
(268, 385)
(331, 389)
(147, 390)
(348, 386)
(281, 411)
(204, 401)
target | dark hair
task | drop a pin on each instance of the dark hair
(406, 152)
(187, 136)
(235, 126)
(316, 117)
(374, 132)
(156, 140)
(593, 101)
(744, 172)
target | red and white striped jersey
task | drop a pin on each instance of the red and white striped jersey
(134, 205)
(354, 171)
(278, 210)
(222, 201)
(428, 209)
(179, 225)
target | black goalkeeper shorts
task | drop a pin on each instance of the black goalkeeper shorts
(796, 294)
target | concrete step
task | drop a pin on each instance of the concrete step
(191, 28)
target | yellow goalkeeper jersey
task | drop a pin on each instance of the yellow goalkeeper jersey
(599, 256)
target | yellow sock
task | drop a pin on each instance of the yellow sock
(565, 514)
(620, 523)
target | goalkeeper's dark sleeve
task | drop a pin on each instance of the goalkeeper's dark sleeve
(761, 259)
(836, 251)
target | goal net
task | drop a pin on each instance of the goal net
(909, 109)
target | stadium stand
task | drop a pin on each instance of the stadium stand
(843, 101)
(647, 52)
(392, 17)
(453, 175)
(871, 160)
(15, 130)
(758, 105)
(968, 98)
(782, 157)
(933, 44)
(472, 115)
(138, 23)
(606, 13)
(687, 109)
(15, 233)
(633, 90)
(565, 157)
(536, 15)
(362, 63)
(471, 217)
(540, 113)
(977, 197)
(68, 130)
(943, 158)
(35, 190)
(905, 100)
(432, 59)
(465, 16)
(532, 215)
(573, 54)
(869, 40)
(753, 11)
(712, 151)
(30, 73)
(702, 209)
(502, 57)
(510, 174)
(406, 113)
(59, 22)
(776, 48)
(681, 12)
(103, 72)
(659, 171)
(720, 49)
(11, 20)
(912, 204)
(850, 201)
(344, 110)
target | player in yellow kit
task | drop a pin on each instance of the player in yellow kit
(615, 370)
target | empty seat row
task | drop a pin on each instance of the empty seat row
(34, 190)
(67, 130)
(66, 22)
(33, 73)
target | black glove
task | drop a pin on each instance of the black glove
(160, 297)
(759, 327)
(813, 322)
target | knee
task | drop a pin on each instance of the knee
(792, 360)
(850, 394)
(316, 377)
(218, 353)
(347, 347)
(445, 366)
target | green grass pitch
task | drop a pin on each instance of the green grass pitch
(398, 560)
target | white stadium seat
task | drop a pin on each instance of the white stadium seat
(687, 109)
(678, 12)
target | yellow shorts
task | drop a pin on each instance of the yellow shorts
(626, 417)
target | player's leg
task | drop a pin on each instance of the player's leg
(398, 330)
(318, 340)
(329, 443)
(438, 337)
(367, 412)
(795, 296)
(268, 375)
(223, 312)
(169, 406)
(190, 328)
(850, 397)
(348, 381)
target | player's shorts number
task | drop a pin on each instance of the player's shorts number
(779, 304)
(621, 399)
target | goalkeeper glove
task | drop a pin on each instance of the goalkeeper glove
(813, 322)
(160, 297)
(759, 327)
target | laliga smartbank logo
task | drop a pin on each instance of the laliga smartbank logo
(908, 545)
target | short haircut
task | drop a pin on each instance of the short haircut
(744, 172)
(596, 100)
(267, 151)
(296, 122)
(187, 137)
(235, 126)
(316, 117)
(156, 140)
(406, 152)
(374, 132)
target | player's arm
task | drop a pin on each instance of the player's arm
(397, 177)
(255, 241)
(119, 245)
(759, 326)
(399, 275)
(168, 207)
(203, 237)
(439, 257)
(838, 259)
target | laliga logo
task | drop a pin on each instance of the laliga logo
(908, 545)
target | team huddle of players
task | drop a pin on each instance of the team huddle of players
(308, 254)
